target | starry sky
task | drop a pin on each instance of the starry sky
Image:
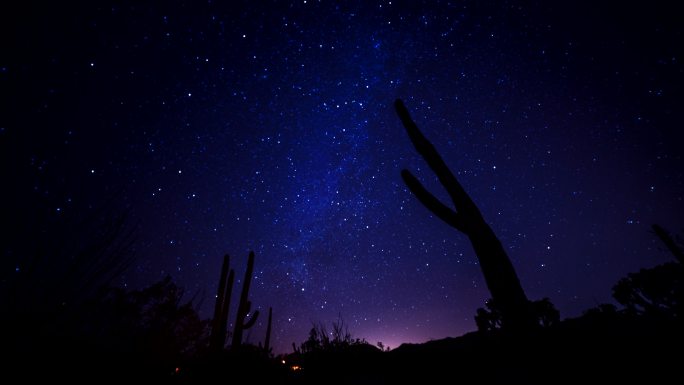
(225, 127)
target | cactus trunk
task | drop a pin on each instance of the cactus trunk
(244, 306)
(223, 328)
(267, 341)
(498, 271)
(215, 341)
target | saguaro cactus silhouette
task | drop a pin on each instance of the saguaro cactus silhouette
(267, 341)
(220, 322)
(244, 306)
(498, 271)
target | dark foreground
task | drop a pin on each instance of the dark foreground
(600, 346)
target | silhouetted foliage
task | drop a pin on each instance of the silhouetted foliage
(151, 324)
(339, 338)
(382, 346)
(500, 276)
(121, 333)
(334, 356)
(60, 275)
(604, 310)
(657, 291)
(66, 265)
(543, 310)
(488, 319)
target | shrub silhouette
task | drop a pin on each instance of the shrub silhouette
(544, 312)
(63, 267)
(120, 334)
(152, 323)
(334, 356)
(657, 291)
(339, 338)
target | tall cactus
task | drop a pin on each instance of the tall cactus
(223, 294)
(226, 308)
(267, 341)
(498, 271)
(244, 306)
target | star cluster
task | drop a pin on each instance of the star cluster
(268, 126)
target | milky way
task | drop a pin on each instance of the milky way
(269, 127)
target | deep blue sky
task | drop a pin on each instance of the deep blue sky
(269, 127)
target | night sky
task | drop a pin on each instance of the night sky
(269, 126)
